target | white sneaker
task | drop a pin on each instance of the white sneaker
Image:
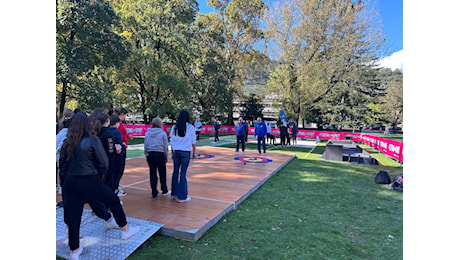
(121, 192)
(58, 189)
(76, 255)
(132, 230)
(111, 224)
(166, 194)
(187, 199)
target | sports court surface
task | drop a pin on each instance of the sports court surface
(218, 181)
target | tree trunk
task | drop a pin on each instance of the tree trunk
(63, 97)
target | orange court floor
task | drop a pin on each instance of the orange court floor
(217, 184)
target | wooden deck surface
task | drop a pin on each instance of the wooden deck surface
(216, 186)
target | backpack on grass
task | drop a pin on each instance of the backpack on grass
(398, 182)
(382, 177)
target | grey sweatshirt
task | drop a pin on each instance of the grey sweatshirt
(156, 141)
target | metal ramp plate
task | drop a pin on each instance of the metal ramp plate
(100, 243)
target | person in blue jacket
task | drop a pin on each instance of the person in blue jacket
(260, 132)
(240, 134)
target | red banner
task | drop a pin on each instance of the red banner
(389, 147)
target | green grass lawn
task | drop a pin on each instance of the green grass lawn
(311, 209)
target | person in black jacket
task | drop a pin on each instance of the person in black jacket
(111, 147)
(283, 133)
(84, 163)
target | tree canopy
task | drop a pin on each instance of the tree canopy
(156, 57)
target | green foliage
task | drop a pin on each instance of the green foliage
(251, 108)
(85, 38)
(159, 32)
(326, 51)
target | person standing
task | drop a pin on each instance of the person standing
(216, 130)
(269, 132)
(156, 153)
(283, 134)
(294, 132)
(121, 112)
(246, 131)
(119, 146)
(60, 137)
(183, 142)
(240, 134)
(84, 162)
(197, 128)
(260, 132)
(111, 147)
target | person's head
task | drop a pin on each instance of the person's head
(181, 124)
(68, 113)
(114, 121)
(79, 127)
(121, 112)
(102, 120)
(157, 123)
(259, 120)
(240, 120)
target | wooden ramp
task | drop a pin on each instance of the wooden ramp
(217, 183)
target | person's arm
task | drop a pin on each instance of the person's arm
(165, 144)
(193, 150)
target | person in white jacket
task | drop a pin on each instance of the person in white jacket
(183, 140)
(156, 152)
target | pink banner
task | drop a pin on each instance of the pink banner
(389, 147)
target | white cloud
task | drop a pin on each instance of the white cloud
(394, 61)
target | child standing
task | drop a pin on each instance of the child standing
(156, 152)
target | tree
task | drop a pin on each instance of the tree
(159, 31)
(240, 21)
(251, 108)
(392, 107)
(85, 38)
(321, 46)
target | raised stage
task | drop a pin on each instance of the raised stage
(217, 183)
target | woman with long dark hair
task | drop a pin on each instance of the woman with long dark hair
(84, 163)
(183, 139)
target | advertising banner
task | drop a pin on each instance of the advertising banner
(389, 147)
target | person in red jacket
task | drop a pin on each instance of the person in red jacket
(121, 112)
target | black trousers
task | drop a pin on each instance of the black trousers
(157, 161)
(79, 189)
(121, 162)
(283, 139)
(240, 139)
(197, 133)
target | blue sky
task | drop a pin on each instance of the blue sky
(391, 13)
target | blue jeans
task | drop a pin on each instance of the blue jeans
(181, 160)
(261, 139)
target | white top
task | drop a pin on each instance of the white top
(183, 143)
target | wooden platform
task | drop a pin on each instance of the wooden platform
(216, 186)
